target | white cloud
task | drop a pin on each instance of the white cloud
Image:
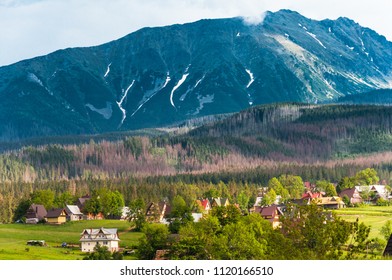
(37, 27)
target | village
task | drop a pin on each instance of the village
(161, 212)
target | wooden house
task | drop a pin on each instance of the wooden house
(204, 205)
(352, 194)
(374, 192)
(107, 237)
(271, 213)
(56, 216)
(35, 213)
(333, 202)
(156, 212)
(219, 201)
(81, 202)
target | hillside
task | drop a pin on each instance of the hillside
(376, 97)
(159, 76)
(268, 135)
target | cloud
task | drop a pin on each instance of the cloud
(16, 3)
(37, 27)
(254, 20)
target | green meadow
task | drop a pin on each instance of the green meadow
(14, 237)
(373, 216)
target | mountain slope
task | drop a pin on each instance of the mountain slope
(158, 76)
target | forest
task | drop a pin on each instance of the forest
(234, 154)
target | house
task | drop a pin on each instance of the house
(103, 236)
(374, 192)
(73, 213)
(56, 216)
(259, 201)
(271, 213)
(312, 195)
(204, 205)
(82, 201)
(352, 194)
(333, 202)
(156, 212)
(219, 201)
(35, 213)
(197, 217)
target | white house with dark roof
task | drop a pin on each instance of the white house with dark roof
(107, 237)
(378, 191)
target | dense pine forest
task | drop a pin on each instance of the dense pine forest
(236, 154)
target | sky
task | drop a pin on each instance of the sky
(30, 28)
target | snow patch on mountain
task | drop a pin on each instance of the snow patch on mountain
(34, 79)
(119, 103)
(315, 37)
(180, 82)
(251, 77)
(31, 77)
(107, 70)
(105, 112)
(202, 101)
(199, 81)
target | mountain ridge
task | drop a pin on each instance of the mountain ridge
(158, 76)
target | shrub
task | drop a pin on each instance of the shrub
(382, 202)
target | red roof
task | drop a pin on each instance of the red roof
(205, 203)
(311, 195)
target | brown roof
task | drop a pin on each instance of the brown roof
(55, 213)
(82, 201)
(348, 192)
(270, 211)
(36, 211)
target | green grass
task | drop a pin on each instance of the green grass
(373, 216)
(13, 238)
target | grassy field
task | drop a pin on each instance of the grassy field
(13, 238)
(373, 216)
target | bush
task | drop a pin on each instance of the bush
(382, 202)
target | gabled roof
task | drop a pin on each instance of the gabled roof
(349, 192)
(161, 208)
(73, 209)
(270, 211)
(379, 189)
(332, 200)
(311, 195)
(55, 213)
(37, 211)
(82, 200)
(219, 201)
(205, 203)
(94, 233)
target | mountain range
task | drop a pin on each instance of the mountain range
(161, 76)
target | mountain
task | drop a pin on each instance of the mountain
(376, 97)
(160, 76)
